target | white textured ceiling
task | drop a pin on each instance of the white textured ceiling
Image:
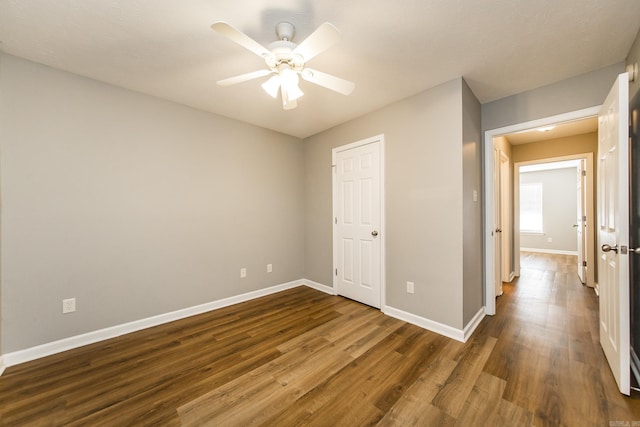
(390, 49)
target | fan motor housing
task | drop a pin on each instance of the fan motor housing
(282, 53)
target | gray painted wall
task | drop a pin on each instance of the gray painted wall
(424, 206)
(633, 57)
(559, 210)
(576, 93)
(472, 209)
(133, 205)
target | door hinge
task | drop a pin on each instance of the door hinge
(584, 173)
(584, 218)
(584, 263)
(336, 271)
(335, 220)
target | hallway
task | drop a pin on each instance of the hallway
(548, 349)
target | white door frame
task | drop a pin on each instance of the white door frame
(583, 195)
(507, 265)
(498, 246)
(382, 234)
(489, 297)
(589, 212)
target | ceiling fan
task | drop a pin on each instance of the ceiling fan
(286, 60)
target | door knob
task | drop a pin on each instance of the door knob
(635, 251)
(608, 248)
(374, 233)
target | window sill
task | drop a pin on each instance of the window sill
(533, 233)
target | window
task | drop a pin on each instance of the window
(531, 207)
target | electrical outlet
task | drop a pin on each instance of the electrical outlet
(409, 287)
(269, 268)
(68, 305)
(243, 273)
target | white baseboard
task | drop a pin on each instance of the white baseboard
(473, 323)
(319, 286)
(430, 325)
(424, 323)
(549, 251)
(69, 343)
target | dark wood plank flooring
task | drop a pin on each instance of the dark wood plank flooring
(301, 357)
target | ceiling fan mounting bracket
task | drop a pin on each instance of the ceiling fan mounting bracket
(285, 31)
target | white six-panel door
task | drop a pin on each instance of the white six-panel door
(613, 231)
(357, 222)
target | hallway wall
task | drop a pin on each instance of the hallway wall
(583, 91)
(559, 205)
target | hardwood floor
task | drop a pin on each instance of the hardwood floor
(301, 357)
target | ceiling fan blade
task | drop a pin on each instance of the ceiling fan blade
(325, 36)
(241, 38)
(334, 83)
(243, 77)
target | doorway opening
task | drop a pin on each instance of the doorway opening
(503, 138)
(555, 209)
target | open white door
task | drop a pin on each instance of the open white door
(358, 221)
(613, 230)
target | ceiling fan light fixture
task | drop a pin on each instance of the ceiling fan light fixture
(272, 85)
(288, 76)
(289, 83)
(288, 102)
(294, 92)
